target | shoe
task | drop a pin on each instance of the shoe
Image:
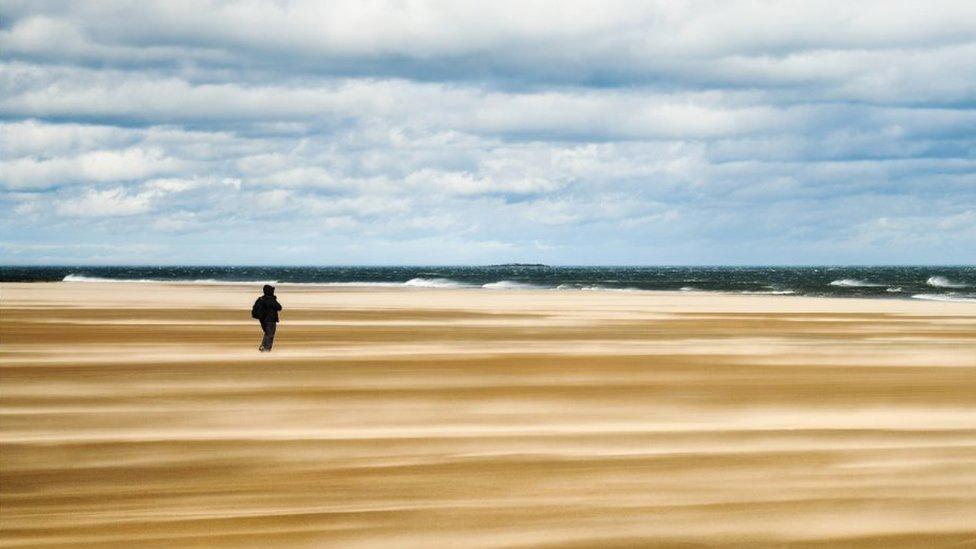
(262, 349)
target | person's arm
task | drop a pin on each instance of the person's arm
(277, 305)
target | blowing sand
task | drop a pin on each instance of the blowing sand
(143, 415)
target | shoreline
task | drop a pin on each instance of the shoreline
(395, 286)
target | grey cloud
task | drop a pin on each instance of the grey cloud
(874, 51)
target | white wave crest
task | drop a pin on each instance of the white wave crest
(208, 281)
(81, 278)
(434, 283)
(943, 282)
(348, 284)
(770, 292)
(945, 297)
(595, 288)
(687, 289)
(854, 283)
(893, 290)
(510, 285)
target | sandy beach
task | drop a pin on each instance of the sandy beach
(143, 415)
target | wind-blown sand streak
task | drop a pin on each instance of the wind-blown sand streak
(424, 418)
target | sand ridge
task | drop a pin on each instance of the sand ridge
(444, 418)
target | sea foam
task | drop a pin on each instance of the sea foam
(209, 281)
(946, 297)
(769, 292)
(510, 285)
(434, 283)
(854, 283)
(350, 284)
(597, 288)
(943, 282)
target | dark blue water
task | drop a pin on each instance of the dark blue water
(920, 282)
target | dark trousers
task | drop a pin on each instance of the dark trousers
(269, 327)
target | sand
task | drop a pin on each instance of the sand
(142, 415)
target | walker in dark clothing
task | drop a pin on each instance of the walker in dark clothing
(265, 310)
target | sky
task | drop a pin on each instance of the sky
(411, 132)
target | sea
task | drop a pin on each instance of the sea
(952, 283)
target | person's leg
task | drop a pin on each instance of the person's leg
(264, 337)
(269, 333)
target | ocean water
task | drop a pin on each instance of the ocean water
(919, 282)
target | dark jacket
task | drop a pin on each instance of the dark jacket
(266, 308)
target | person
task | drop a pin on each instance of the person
(265, 310)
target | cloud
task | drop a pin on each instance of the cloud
(114, 96)
(99, 165)
(107, 203)
(617, 43)
(463, 183)
(425, 132)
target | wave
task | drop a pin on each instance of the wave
(511, 285)
(412, 283)
(349, 284)
(596, 288)
(770, 292)
(417, 282)
(854, 283)
(434, 283)
(946, 297)
(951, 286)
(83, 278)
(943, 282)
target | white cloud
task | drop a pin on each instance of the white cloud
(463, 183)
(359, 206)
(427, 128)
(611, 113)
(97, 166)
(106, 203)
(172, 185)
(31, 137)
